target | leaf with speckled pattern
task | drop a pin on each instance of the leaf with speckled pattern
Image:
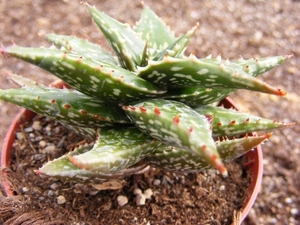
(176, 48)
(63, 168)
(177, 125)
(116, 149)
(68, 106)
(82, 47)
(175, 159)
(103, 81)
(155, 31)
(229, 122)
(198, 96)
(127, 45)
(258, 66)
(173, 73)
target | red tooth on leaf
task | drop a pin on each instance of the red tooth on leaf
(268, 135)
(176, 119)
(67, 106)
(143, 109)
(132, 107)
(156, 111)
(214, 157)
(84, 112)
(222, 169)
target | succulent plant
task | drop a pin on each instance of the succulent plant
(150, 105)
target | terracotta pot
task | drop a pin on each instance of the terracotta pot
(255, 157)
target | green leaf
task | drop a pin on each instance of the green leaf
(255, 67)
(155, 31)
(173, 73)
(82, 47)
(115, 150)
(103, 81)
(127, 45)
(68, 106)
(176, 124)
(182, 160)
(176, 48)
(197, 96)
(229, 122)
(62, 168)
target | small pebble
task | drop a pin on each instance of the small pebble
(294, 211)
(140, 199)
(54, 186)
(61, 199)
(49, 149)
(38, 138)
(19, 135)
(92, 193)
(288, 200)
(43, 144)
(222, 188)
(28, 129)
(36, 125)
(137, 191)
(50, 193)
(148, 193)
(48, 128)
(25, 189)
(122, 200)
(156, 182)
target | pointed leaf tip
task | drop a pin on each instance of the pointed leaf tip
(281, 93)
(223, 171)
(268, 135)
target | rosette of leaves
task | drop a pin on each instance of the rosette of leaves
(147, 105)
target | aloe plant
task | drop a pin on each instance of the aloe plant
(148, 105)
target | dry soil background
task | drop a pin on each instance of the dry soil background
(251, 28)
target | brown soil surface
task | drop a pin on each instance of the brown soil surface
(250, 28)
